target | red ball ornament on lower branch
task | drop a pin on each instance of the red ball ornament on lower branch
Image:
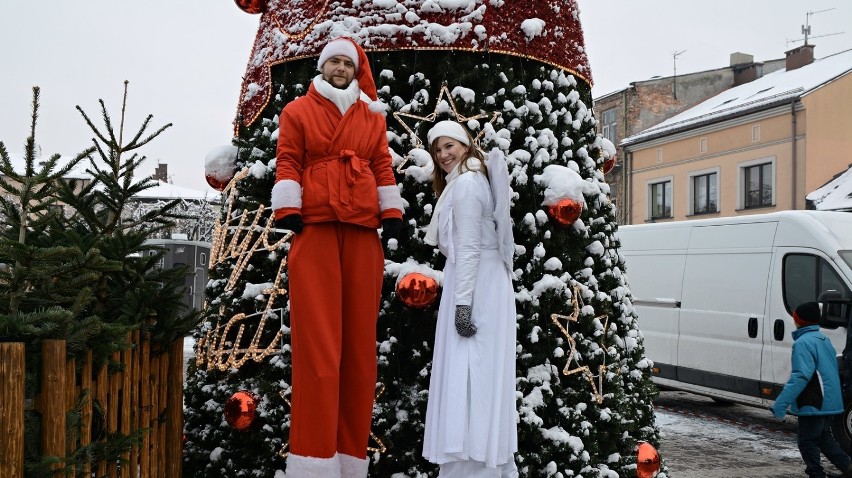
(417, 290)
(609, 164)
(215, 183)
(241, 410)
(565, 212)
(647, 461)
(252, 6)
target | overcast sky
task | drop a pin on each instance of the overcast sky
(185, 59)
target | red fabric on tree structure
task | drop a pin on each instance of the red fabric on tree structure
(295, 29)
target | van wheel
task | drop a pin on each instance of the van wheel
(841, 428)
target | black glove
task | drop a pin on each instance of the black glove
(292, 222)
(390, 229)
(464, 326)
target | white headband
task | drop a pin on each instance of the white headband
(337, 47)
(450, 129)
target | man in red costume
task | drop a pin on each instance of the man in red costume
(334, 188)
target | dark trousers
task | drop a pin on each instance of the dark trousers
(814, 435)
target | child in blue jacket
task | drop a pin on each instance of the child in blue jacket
(813, 394)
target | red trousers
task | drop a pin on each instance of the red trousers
(335, 272)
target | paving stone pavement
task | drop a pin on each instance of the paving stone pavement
(700, 443)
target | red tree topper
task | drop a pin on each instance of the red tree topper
(290, 30)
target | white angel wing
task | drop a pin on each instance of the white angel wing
(498, 176)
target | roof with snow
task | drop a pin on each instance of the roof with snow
(769, 91)
(78, 172)
(162, 191)
(168, 191)
(835, 195)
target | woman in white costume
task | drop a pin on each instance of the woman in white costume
(471, 418)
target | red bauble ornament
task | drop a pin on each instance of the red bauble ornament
(216, 184)
(417, 290)
(251, 6)
(608, 165)
(647, 461)
(565, 211)
(241, 410)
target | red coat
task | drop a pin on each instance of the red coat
(342, 164)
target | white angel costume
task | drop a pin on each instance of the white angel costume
(471, 416)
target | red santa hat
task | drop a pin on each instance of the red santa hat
(347, 47)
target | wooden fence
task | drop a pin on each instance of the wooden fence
(146, 395)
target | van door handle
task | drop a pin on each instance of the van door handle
(752, 327)
(779, 330)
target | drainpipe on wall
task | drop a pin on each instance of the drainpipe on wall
(793, 142)
(628, 166)
(625, 197)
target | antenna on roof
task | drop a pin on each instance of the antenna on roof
(674, 76)
(806, 28)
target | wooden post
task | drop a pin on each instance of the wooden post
(86, 411)
(12, 409)
(155, 413)
(70, 403)
(135, 390)
(161, 452)
(145, 405)
(112, 410)
(124, 416)
(53, 400)
(101, 394)
(174, 411)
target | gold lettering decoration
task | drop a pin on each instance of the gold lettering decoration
(236, 239)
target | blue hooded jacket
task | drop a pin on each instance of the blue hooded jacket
(814, 384)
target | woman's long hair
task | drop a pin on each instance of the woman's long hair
(439, 176)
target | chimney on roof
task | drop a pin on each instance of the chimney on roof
(799, 57)
(161, 173)
(744, 67)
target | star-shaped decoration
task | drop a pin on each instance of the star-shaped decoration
(597, 389)
(431, 117)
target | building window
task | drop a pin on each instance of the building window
(609, 130)
(705, 193)
(755, 132)
(661, 199)
(702, 145)
(757, 183)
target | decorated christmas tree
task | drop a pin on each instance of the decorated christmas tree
(515, 74)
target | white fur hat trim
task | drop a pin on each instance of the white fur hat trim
(450, 129)
(338, 47)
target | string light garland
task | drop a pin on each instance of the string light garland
(299, 36)
(236, 239)
(431, 117)
(597, 388)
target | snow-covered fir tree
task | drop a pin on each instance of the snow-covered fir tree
(515, 74)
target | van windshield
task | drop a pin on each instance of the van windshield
(847, 257)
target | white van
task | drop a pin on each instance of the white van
(715, 296)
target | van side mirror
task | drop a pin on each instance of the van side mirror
(835, 310)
